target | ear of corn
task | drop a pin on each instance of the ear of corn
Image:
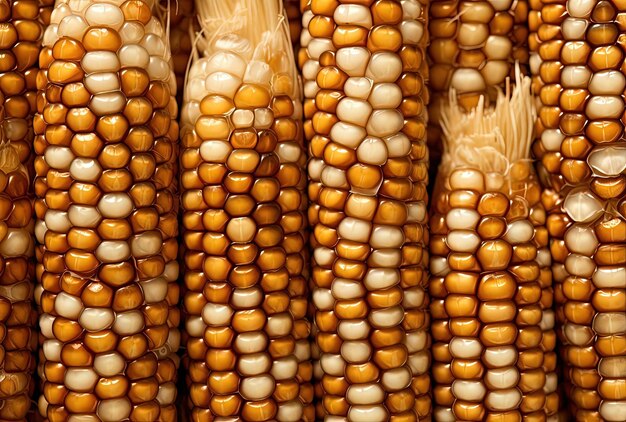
(583, 159)
(106, 215)
(474, 45)
(20, 37)
(364, 74)
(244, 219)
(491, 282)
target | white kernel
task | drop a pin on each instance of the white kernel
(223, 61)
(100, 61)
(107, 103)
(467, 80)
(80, 380)
(104, 14)
(353, 14)
(468, 390)
(351, 110)
(384, 123)
(134, 55)
(98, 83)
(372, 151)
(72, 26)
(384, 67)
(128, 323)
(109, 364)
(96, 319)
(352, 60)
(385, 95)
(115, 205)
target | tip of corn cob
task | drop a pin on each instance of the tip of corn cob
(259, 32)
(489, 139)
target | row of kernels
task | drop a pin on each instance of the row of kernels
(525, 184)
(309, 66)
(416, 96)
(557, 224)
(588, 100)
(545, 42)
(535, 21)
(293, 202)
(549, 41)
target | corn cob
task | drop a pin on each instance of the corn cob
(20, 36)
(106, 215)
(183, 22)
(244, 219)
(583, 161)
(365, 120)
(474, 45)
(490, 263)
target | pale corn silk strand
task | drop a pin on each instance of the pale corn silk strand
(491, 282)
(242, 173)
(106, 205)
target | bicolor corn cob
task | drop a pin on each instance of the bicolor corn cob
(20, 37)
(244, 218)
(583, 158)
(473, 48)
(106, 215)
(493, 337)
(366, 124)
